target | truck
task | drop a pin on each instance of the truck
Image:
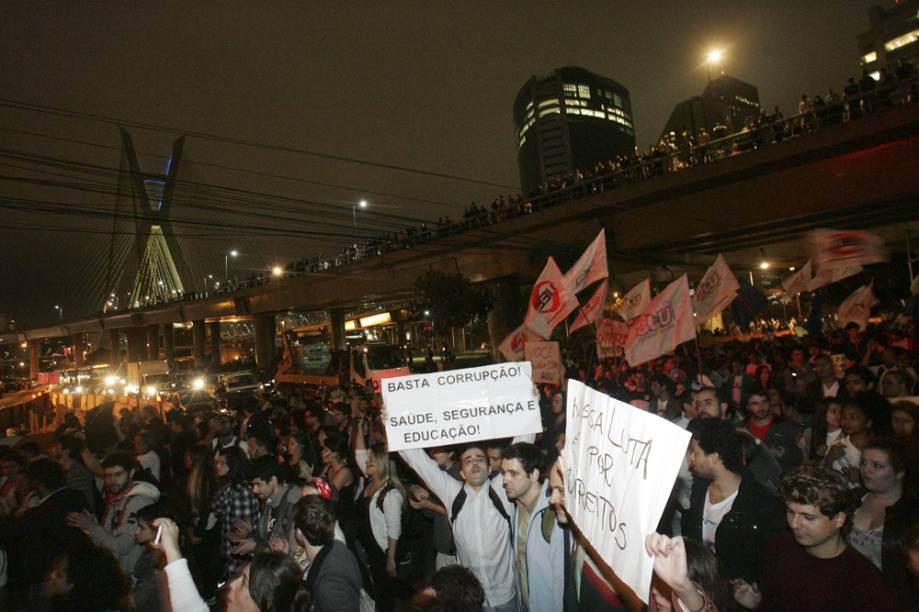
(312, 361)
(147, 376)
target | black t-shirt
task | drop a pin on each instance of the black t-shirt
(792, 580)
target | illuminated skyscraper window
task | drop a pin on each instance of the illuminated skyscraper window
(582, 118)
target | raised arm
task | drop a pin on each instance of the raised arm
(438, 481)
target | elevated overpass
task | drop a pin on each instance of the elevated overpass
(860, 174)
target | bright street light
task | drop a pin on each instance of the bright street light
(764, 265)
(362, 204)
(226, 264)
(60, 311)
(714, 57)
(277, 271)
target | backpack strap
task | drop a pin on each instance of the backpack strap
(460, 500)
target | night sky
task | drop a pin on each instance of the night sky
(424, 86)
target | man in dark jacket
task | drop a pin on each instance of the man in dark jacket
(334, 577)
(41, 533)
(729, 511)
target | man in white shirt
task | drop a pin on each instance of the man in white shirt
(481, 531)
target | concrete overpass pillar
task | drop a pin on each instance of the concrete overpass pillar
(337, 317)
(507, 311)
(215, 343)
(265, 342)
(153, 341)
(137, 344)
(198, 332)
(114, 348)
(169, 344)
(34, 358)
(78, 343)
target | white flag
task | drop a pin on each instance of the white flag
(715, 291)
(635, 301)
(828, 276)
(590, 267)
(857, 307)
(513, 347)
(846, 249)
(592, 308)
(665, 323)
(549, 302)
(799, 282)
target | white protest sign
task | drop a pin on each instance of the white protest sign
(457, 406)
(546, 361)
(620, 465)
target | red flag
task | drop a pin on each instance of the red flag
(592, 308)
(549, 302)
(665, 323)
(590, 267)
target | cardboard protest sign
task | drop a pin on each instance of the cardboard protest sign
(620, 465)
(496, 401)
(611, 335)
(546, 360)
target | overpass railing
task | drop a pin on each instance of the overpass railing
(671, 154)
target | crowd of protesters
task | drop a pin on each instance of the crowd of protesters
(798, 492)
(675, 151)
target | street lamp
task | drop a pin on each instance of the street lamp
(713, 58)
(277, 271)
(226, 264)
(60, 311)
(361, 204)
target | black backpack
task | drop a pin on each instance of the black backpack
(412, 531)
(460, 500)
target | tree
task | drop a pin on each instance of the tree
(452, 299)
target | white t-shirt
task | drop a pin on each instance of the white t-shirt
(712, 515)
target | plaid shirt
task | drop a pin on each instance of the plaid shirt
(234, 501)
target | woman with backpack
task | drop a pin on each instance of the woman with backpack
(379, 516)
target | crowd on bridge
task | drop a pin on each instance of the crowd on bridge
(798, 492)
(675, 151)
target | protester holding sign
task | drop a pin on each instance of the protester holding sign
(480, 515)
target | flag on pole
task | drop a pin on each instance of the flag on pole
(549, 301)
(591, 309)
(828, 276)
(666, 323)
(846, 248)
(590, 267)
(635, 301)
(715, 291)
(799, 282)
(857, 307)
(513, 346)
